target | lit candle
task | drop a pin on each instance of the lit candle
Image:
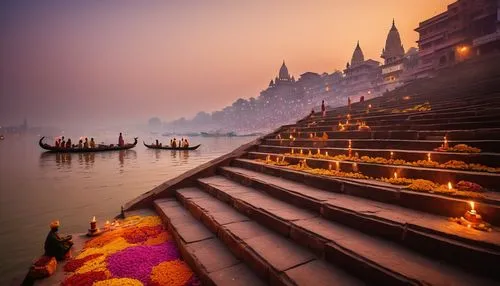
(429, 157)
(445, 142)
(450, 187)
(292, 151)
(330, 166)
(369, 106)
(337, 165)
(392, 155)
(348, 116)
(319, 152)
(310, 153)
(106, 226)
(291, 137)
(395, 175)
(326, 153)
(310, 135)
(472, 210)
(301, 153)
(350, 143)
(277, 159)
(93, 226)
(354, 167)
(268, 158)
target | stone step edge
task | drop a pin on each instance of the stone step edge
(257, 263)
(420, 201)
(471, 251)
(188, 257)
(237, 246)
(453, 171)
(323, 247)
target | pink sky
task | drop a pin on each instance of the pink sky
(107, 61)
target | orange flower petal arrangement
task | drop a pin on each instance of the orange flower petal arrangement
(461, 148)
(138, 252)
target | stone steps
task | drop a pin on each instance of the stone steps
(490, 146)
(438, 175)
(200, 248)
(418, 230)
(276, 259)
(382, 192)
(453, 135)
(488, 159)
(373, 259)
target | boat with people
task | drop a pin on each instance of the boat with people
(154, 146)
(218, 134)
(76, 149)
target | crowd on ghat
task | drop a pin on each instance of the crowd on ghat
(82, 144)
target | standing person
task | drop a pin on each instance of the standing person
(68, 144)
(57, 143)
(86, 143)
(157, 144)
(92, 142)
(323, 108)
(171, 143)
(362, 98)
(120, 140)
(80, 144)
(63, 143)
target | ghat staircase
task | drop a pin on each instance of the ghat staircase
(240, 220)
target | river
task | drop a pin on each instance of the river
(38, 187)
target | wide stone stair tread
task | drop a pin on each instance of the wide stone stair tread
(288, 259)
(373, 251)
(200, 248)
(374, 209)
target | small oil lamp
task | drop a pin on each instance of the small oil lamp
(395, 175)
(319, 152)
(292, 151)
(268, 158)
(472, 216)
(277, 159)
(93, 227)
(450, 187)
(337, 165)
(429, 157)
(392, 155)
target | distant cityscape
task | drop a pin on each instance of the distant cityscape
(466, 29)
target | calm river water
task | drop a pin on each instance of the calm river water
(37, 187)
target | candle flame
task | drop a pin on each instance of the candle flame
(326, 153)
(429, 157)
(450, 186)
(93, 219)
(395, 175)
(107, 222)
(301, 152)
(471, 203)
(292, 150)
(330, 167)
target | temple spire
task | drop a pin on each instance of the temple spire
(357, 56)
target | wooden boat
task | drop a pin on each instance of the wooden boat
(171, 148)
(99, 148)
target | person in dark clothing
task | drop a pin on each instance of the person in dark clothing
(55, 245)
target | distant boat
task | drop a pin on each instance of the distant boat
(217, 134)
(250, 134)
(167, 134)
(170, 148)
(100, 148)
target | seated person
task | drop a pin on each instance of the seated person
(80, 144)
(86, 143)
(68, 144)
(174, 143)
(92, 142)
(57, 142)
(55, 245)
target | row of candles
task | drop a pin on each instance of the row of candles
(107, 226)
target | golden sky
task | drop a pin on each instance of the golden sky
(138, 59)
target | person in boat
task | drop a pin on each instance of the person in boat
(63, 143)
(80, 144)
(186, 143)
(157, 144)
(57, 143)
(68, 144)
(174, 143)
(86, 143)
(55, 245)
(323, 108)
(92, 142)
(120, 140)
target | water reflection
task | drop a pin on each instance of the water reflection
(85, 159)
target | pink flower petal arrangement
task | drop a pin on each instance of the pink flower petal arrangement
(139, 252)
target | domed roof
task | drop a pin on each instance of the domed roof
(284, 72)
(393, 47)
(357, 56)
